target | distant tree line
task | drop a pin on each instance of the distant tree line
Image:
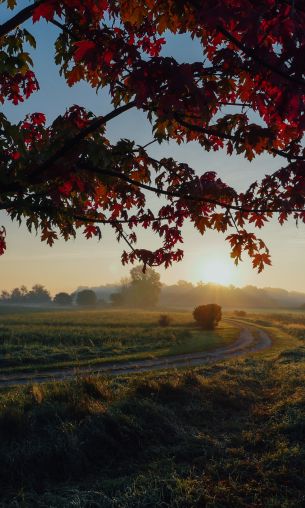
(141, 290)
(39, 295)
(144, 290)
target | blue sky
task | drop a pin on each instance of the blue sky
(82, 262)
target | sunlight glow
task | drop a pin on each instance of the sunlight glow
(218, 271)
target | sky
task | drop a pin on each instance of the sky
(83, 262)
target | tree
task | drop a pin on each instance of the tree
(86, 297)
(145, 287)
(16, 296)
(142, 290)
(67, 175)
(62, 299)
(5, 296)
(38, 294)
(207, 316)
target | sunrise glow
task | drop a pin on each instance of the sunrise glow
(218, 271)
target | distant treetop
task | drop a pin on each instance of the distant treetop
(142, 290)
(63, 299)
(86, 297)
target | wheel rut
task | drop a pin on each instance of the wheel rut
(245, 344)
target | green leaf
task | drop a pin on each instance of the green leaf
(29, 38)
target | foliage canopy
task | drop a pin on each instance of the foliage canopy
(67, 175)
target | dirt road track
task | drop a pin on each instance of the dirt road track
(245, 344)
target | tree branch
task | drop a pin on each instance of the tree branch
(19, 18)
(62, 27)
(252, 54)
(72, 142)
(187, 197)
(122, 234)
(9, 205)
(230, 137)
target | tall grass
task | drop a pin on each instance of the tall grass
(229, 435)
(51, 339)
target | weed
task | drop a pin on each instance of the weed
(164, 320)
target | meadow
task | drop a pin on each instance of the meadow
(224, 435)
(41, 340)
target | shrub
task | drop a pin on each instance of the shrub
(86, 297)
(164, 320)
(240, 313)
(62, 299)
(207, 316)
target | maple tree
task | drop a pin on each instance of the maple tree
(67, 175)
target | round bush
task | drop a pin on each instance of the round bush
(207, 316)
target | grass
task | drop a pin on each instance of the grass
(227, 435)
(43, 340)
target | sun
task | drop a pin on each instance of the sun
(217, 271)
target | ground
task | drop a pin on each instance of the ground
(229, 434)
(41, 340)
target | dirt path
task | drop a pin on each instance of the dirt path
(246, 343)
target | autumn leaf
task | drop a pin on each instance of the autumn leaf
(84, 48)
(260, 260)
(258, 219)
(48, 236)
(66, 188)
(92, 230)
(45, 10)
(2, 240)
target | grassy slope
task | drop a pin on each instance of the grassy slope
(43, 340)
(225, 435)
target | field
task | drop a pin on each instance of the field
(227, 435)
(40, 340)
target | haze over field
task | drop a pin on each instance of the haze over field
(180, 295)
(184, 294)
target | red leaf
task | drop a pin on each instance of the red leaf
(38, 118)
(2, 241)
(66, 188)
(259, 220)
(45, 10)
(91, 230)
(16, 155)
(108, 57)
(83, 48)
